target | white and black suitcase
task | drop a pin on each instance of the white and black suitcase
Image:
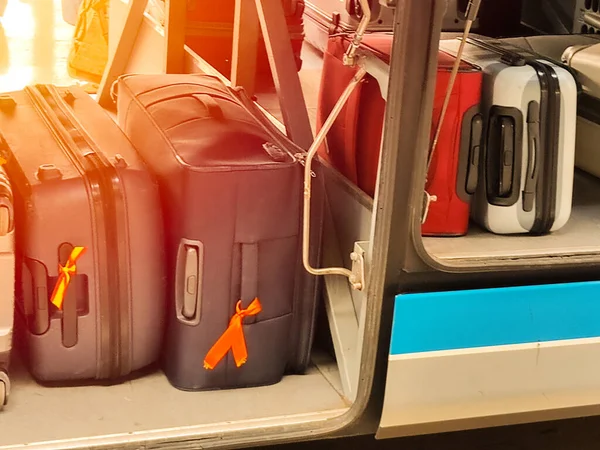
(527, 168)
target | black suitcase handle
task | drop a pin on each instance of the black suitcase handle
(502, 150)
(533, 155)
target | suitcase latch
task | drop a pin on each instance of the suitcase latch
(47, 172)
(357, 280)
(7, 103)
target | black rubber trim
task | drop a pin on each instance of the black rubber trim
(469, 158)
(545, 212)
(107, 198)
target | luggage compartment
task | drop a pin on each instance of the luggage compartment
(146, 409)
(578, 238)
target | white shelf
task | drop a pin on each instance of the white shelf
(581, 235)
(36, 414)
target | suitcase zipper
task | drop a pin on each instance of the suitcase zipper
(6, 204)
(103, 182)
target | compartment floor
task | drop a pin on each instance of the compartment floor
(38, 414)
(581, 235)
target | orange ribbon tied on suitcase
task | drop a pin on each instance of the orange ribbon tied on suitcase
(233, 338)
(64, 276)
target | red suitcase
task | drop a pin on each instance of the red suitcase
(209, 32)
(353, 143)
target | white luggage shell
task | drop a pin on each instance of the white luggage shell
(511, 87)
(585, 59)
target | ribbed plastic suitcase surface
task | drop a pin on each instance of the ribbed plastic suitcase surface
(7, 286)
(91, 263)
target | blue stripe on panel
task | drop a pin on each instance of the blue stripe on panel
(456, 320)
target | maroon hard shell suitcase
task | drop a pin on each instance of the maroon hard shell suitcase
(232, 189)
(79, 183)
(7, 288)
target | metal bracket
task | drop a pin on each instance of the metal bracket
(357, 280)
(428, 199)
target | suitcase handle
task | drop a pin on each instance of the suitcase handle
(69, 309)
(506, 160)
(503, 151)
(473, 154)
(211, 104)
(533, 155)
(7, 221)
(189, 271)
(36, 296)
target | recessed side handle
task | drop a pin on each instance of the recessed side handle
(507, 156)
(533, 149)
(69, 310)
(503, 155)
(7, 221)
(188, 279)
(35, 291)
(474, 154)
(470, 153)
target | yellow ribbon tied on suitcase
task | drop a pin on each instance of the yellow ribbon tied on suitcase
(64, 277)
(233, 338)
(89, 51)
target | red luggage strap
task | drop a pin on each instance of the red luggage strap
(233, 338)
(64, 278)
